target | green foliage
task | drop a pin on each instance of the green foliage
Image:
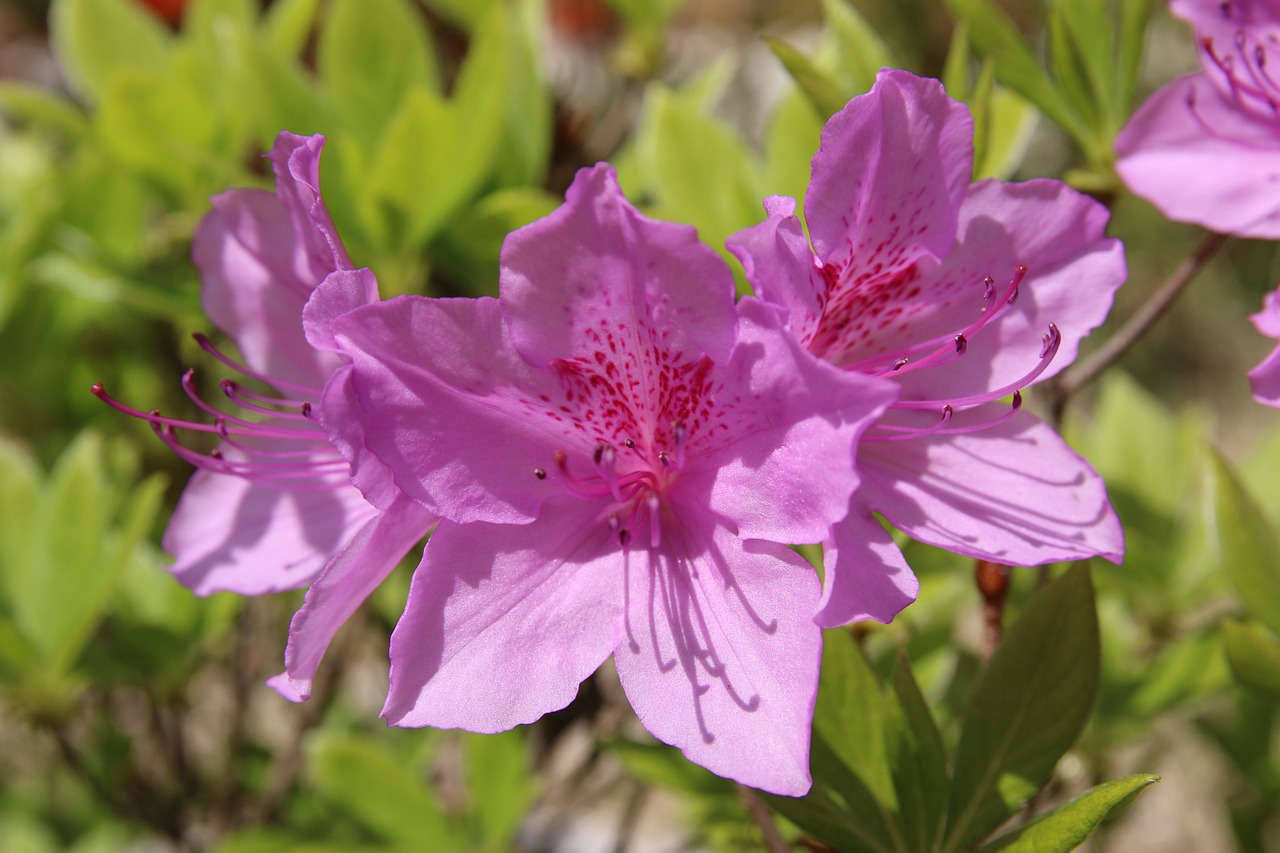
(1066, 827)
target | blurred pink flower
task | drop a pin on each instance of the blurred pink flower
(901, 282)
(273, 507)
(1265, 378)
(1206, 147)
(619, 454)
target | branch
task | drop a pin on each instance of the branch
(1088, 369)
(763, 819)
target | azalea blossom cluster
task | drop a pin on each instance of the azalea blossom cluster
(613, 457)
(1206, 147)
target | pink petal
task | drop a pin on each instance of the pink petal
(229, 533)
(1073, 272)
(889, 176)
(505, 621)
(865, 574)
(720, 656)
(244, 250)
(347, 424)
(1013, 493)
(355, 571)
(339, 293)
(595, 276)
(780, 266)
(1265, 378)
(452, 410)
(1212, 165)
(784, 471)
(296, 163)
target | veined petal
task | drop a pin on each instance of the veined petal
(340, 292)
(351, 576)
(347, 425)
(597, 277)
(865, 574)
(720, 656)
(296, 163)
(781, 267)
(243, 250)
(783, 464)
(889, 176)
(460, 419)
(1265, 378)
(1073, 272)
(229, 533)
(1014, 493)
(505, 621)
(1211, 163)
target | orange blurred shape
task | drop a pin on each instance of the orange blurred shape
(169, 11)
(584, 20)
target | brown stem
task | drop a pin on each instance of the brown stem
(1088, 369)
(992, 580)
(763, 819)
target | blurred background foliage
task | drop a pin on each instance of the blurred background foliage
(133, 716)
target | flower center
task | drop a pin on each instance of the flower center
(631, 481)
(946, 349)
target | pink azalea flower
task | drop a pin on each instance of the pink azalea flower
(1265, 378)
(273, 507)
(964, 295)
(1206, 147)
(618, 453)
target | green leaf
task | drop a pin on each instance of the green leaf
(792, 136)
(823, 90)
(1009, 125)
(995, 36)
(94, 38)
(376, 788)
(1247, 544)
(39, 106)
(685, 153)
(955, 71)
(1068, 64)
(860, 53)
(856, 729)
(465, 13)
(370, 54)
(1026, 709)
(500, 785)
(1066, 827)
(663, 767)
(1254, 656)
(920, 774)
(1134, 15)
(287, 24)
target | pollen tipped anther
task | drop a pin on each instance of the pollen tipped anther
(540, 473)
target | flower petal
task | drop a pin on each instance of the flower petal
(865, 574)
(780, 266)
(1014, 493)
(355, 571)
(889, 176)
(721, 656)
(595, 276)
(340, 292)
(459, 418)
(229, 533)
(505, 621)
(244, 251)
(1265, 378)
(784, 470)
(1073, 272)
(1212, 164)
(296, 163)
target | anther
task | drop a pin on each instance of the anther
(962, 344)
(306, 410)
(629, 444)
(899, 364)
(598, 454)
(540, 473)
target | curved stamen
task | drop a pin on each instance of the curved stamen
(207, 346)
(1052, 341)
(245, 428)
(239, 395)
(903, 433)
(946, 348)
(310, 478)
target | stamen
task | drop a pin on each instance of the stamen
(241, 397)
(1051, 342)
(540, 473)
(655, 527)
(207, 346)
(246, 428)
